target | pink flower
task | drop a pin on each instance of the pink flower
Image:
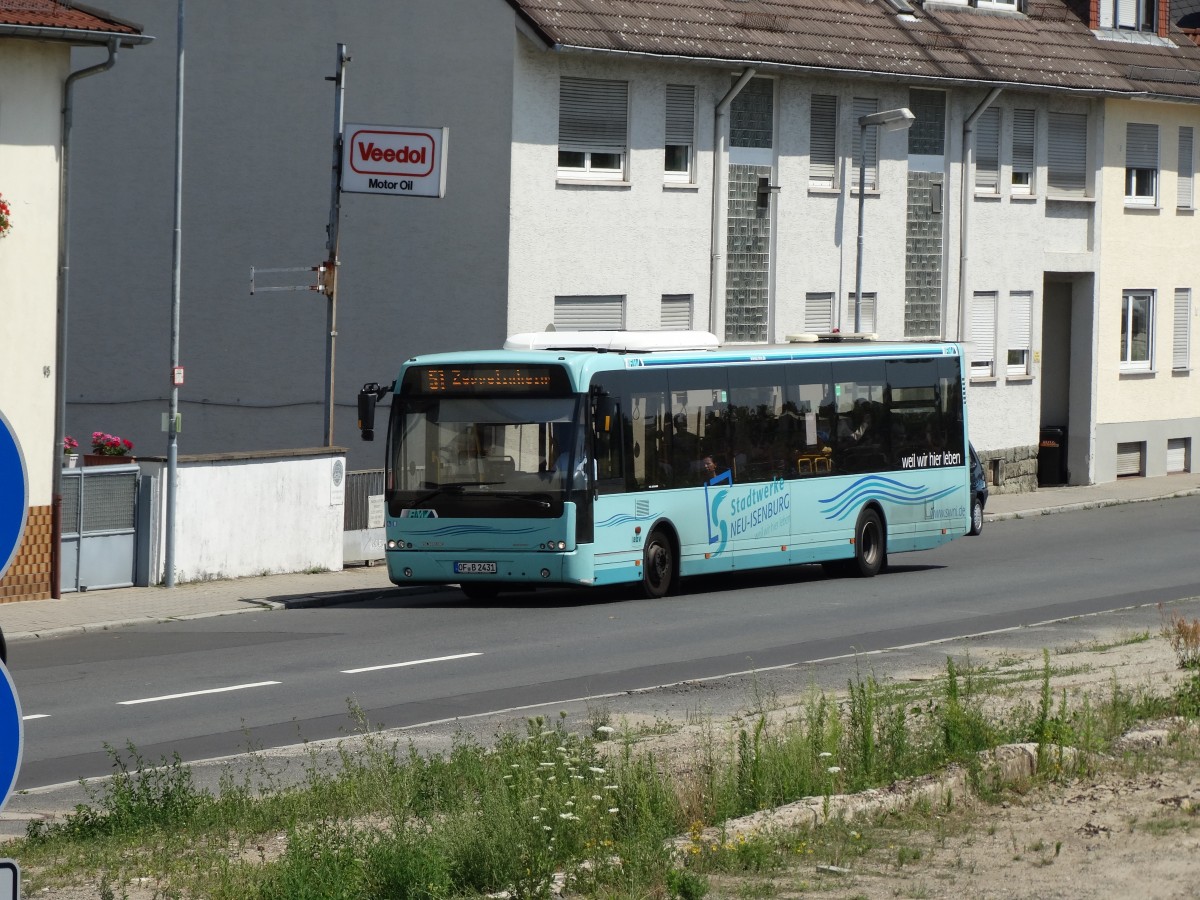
(109, 444)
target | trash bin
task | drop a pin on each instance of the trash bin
(1052, 456)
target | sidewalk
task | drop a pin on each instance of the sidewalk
(97, 610)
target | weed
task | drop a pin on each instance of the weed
(1183, 636)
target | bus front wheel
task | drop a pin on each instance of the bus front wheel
(658, 565)
(870, 545)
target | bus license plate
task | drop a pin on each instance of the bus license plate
(474, 568)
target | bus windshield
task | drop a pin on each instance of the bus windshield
(485, 456)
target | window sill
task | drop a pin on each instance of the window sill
(817, 190)
(983, 379)
(1023, 198)
(988, 195)
(592, 182)
(1182, 373)
(1135, 206)
(1185, 210)
(685, 186)
(1026, 378)
(1068, 198)
(870, 192)
(1137, 373)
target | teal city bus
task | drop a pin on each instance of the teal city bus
(601, 458)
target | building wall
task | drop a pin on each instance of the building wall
(417, 274)
(1155, 249)
(31, 77)
(640, 239)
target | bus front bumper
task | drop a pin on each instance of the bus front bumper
(534, 567)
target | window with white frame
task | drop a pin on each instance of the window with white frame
(589, 313)
(1020, 332)
(1129, 15)
(987, 152)
(1024, 132)
(675, 314)
(1141, 164)
(866, 146)
(866, 313)
(1181, 338)
(818, 312)
(680, 132)
(1066, 154)
(822, 141)
(593, 128)
(1137, 330)
(983, 334)
(1184, 193)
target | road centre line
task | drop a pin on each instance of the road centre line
(413, 662)
(221, 690)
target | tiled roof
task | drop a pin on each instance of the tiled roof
(1050, 47)
(58, 14)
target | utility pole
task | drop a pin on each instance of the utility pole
(176, 257)
(335, 210)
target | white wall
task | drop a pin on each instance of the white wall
(253, 515)
(31, 77)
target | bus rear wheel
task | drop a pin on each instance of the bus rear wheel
(870, 545)
(658, 565)
(480, 590)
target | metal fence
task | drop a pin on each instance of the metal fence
(359, 487)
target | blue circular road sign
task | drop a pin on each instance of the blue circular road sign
(14, 507)
(14, 494)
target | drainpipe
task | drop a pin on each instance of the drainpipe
(966, 189)
(718, 234)
(60, 350)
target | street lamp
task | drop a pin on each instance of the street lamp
(889, 120)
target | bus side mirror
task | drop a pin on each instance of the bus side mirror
(370, 394)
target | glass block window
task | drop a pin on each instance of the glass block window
(927, 136)
(748, 244)
(752, 115)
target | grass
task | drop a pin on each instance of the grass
(590, 806)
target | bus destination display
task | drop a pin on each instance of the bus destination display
(485, 379)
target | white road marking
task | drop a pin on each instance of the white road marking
(35, 716)
(236, 687)
(413, 662)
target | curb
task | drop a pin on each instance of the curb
(1085, 504)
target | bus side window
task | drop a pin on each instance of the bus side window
(609, 427)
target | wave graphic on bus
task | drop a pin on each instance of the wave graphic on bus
(626, 519)
(876, 487)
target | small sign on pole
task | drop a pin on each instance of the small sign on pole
(385, 159)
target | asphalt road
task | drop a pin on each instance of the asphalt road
(218, 686)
